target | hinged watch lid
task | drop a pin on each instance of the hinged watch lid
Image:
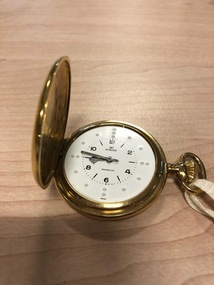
(51, 119)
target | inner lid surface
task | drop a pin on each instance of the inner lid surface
(51, 120)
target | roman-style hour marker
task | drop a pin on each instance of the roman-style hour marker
(118, 178)
(94, 176)
(101, 143)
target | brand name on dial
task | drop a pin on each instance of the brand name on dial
(110, 149)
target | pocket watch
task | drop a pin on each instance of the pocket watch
(107, 169)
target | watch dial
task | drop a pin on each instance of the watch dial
(109, 164)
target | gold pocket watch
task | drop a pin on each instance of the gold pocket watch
(107, 169)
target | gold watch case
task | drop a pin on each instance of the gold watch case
(49, 149)
(118, 209)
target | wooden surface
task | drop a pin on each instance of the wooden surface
(150, 63)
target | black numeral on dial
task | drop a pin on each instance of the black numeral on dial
(106, 180)
(93, 148)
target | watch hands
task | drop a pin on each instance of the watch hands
(96, 157)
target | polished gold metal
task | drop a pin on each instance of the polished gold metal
(51, 122)
(49, 149)
(187, 168)
(119, 209)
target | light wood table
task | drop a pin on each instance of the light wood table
(150, 63)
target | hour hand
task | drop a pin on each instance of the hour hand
(96, 157)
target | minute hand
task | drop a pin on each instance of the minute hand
(99, 157)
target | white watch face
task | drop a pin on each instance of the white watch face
(109, 164)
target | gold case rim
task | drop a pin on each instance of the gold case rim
(42, 176)
(108, 210)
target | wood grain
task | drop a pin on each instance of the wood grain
(150, 63)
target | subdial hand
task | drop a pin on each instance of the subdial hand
(96, 157)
